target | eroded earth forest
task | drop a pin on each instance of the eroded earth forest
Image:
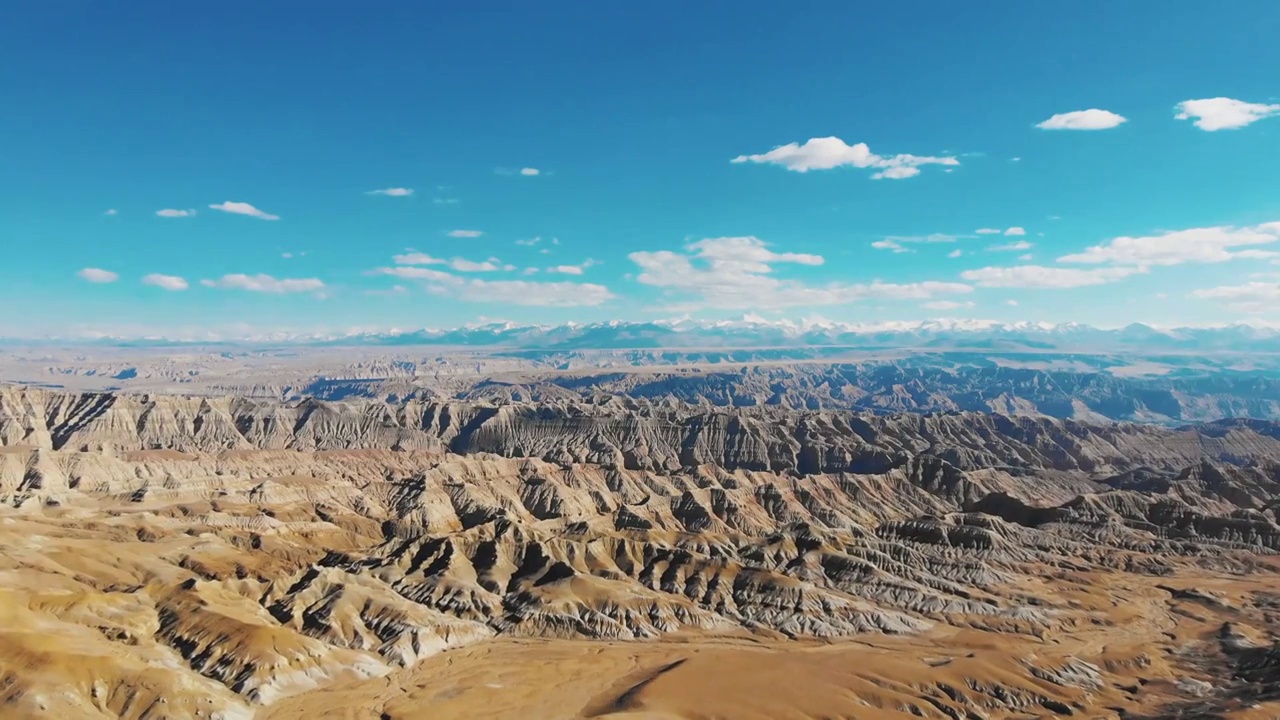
(764, 541)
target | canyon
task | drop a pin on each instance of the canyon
(202, 556)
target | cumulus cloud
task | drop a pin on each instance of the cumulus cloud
(524, 171)
(392, 291)
(1011, 247)
(930, 238)
(1222, 113)
(1091, 119)
(98, 275)
(1250, 297)
(265, 283)
(955, 253)
(465, 233)
(893, 245)
(947, 305)
(417, 258)
(457, 263)
(465, 265)
(738, 273)
(243, 208)
(1015, 231)
(898, 243)
(832, 152)
(167, 282)
(534, 294)
(573, 269)
(1204, 245)
(415, 273)
(1037, 276)
(508, 292)
(172, 213)
(392, 192)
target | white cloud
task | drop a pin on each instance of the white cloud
(1223, 113)
(1015, 231)
(832, 152)
(457, 263)
(243, 208)
(286, 255)
(265, 283)
(465, 233)
(417, 258)
(530, 242)
(415, 273)
(112, 211)
(1026, 258)
(737, 272)
(1250, 297)
(392, 192)
(988, 231)
(168, 282)
(955, 253)
(897, 243)
(893, 245)
(1011, 303)
(930, 238)
(464, 265)
(1011, 247)
(1036, 276)
(508, 292)
(172, 213)
(898, 172)
(535, 294)
(98, 275)
(1091, 119)
(573, 269)
(530, 271)
(946, 305)
(445, 201)
(524, 171)
(1204, 245)
(393, 291)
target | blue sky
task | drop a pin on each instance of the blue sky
(633, 116)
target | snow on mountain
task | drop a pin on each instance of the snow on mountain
(757, 332)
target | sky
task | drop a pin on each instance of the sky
(169, 169)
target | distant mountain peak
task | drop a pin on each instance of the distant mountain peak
(755, 330)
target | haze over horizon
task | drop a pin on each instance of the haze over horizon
(169, 172)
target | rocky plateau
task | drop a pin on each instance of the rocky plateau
(623, 556)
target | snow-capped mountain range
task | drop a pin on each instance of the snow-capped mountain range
(756, 332)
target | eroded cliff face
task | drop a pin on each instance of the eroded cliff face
(632, 435)
(178, 557)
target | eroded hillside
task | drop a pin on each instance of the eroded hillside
(189, 557)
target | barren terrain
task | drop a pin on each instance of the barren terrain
(174, 556)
